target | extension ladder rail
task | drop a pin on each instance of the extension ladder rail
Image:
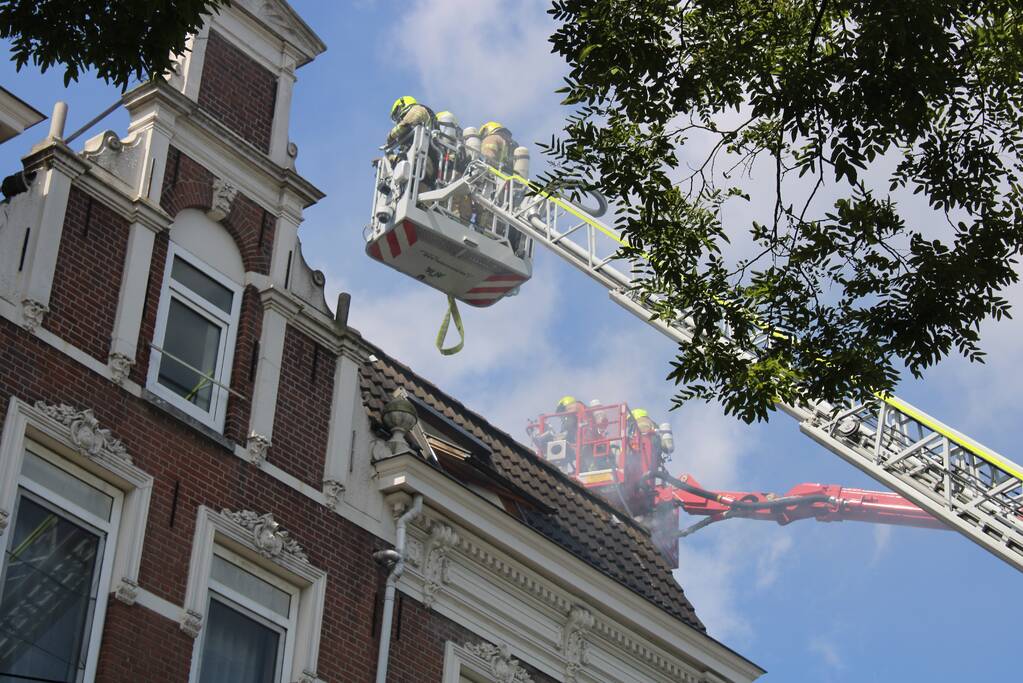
(969, 487)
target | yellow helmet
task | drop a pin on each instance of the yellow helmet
(491, 127)
(565, 402)
(638, 413)
(400, 105)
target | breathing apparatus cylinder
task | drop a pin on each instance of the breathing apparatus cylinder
(521, 163)
(471, 135)
(447, 123)
(667, 439)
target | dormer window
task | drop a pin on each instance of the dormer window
(194, 340)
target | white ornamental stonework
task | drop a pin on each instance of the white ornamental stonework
(86, 435)
(222, 200)
(504, 667)
(269, 539)
(435, 566)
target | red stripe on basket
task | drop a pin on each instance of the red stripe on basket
(410, 232)
(481, 303)
(374, 251)
(392, 243)
(490, 290)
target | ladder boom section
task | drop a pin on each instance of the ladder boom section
(967, 486)
(821, 502)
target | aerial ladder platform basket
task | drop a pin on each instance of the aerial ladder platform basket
(474, 258)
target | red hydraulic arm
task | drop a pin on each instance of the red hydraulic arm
(825, 503)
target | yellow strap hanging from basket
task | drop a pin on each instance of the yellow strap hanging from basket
(449, 315)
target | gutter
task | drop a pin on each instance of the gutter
(396, 558)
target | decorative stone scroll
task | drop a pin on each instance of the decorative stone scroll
(435, 567)
(573, 641)
(86, 435)
(504, 667)
(269, 539)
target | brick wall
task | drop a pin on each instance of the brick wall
(304, 397)
(187, 184)
(189, 470)
(87, 282)
(237, 91)
(243, 368)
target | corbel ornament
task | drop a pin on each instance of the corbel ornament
(308, 677)
(573, 641)
(192, 623)
(86, 435)
(120, 367)
(222, 200)
(504, 667)
(333, 492)
(269, 539)
(257, 446)
(5, 518)
(32, 314)
(127, 591)
(441, 541)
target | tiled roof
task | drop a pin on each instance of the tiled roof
(581, 523)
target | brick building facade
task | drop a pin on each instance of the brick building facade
(200, 463)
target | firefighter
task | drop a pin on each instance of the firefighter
(574, 412)
(496, 148)
(407, 113)
(647, 427)
(495, 144)
(453, 160)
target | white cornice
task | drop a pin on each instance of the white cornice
(619, 611)
(17, 113)
(280, 20)
(306, 318)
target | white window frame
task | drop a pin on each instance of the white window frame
(285, 626)
(228, 323)
(106, 530)
(104, 465)
(217, 534)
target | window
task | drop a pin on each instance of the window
(55, 569)
(253, 602)
(250, 623)
(194, 341)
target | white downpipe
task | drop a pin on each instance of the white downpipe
(392, 583)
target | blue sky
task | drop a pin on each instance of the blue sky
(809, 602)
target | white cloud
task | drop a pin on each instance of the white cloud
(770, 561)
(715, 572)
(483, 59)
(827, 650)
(882, 540)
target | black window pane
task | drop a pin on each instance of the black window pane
(189, 340)
(47, 596)
(202, 284)
(236, 648)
